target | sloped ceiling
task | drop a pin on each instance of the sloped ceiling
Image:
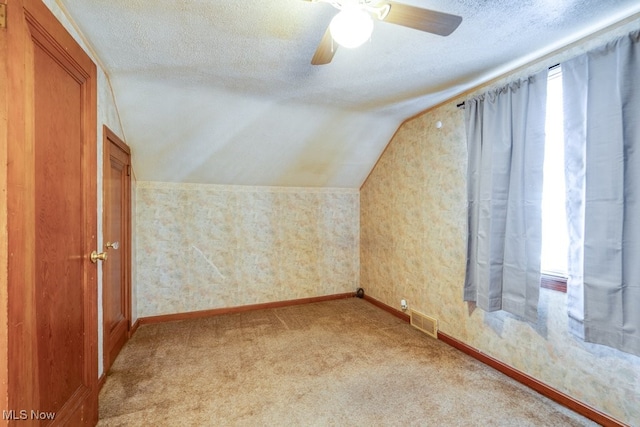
(223, 92)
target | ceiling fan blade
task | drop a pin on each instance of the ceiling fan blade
(325, 51)
(427, 20)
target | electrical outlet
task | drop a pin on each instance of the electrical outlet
(403, 304)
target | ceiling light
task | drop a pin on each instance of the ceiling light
(351, 27)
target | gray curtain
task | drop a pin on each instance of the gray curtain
(602, 135)
(505, 141)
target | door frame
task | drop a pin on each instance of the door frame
(108, 137)
(17, 86)
(4, 253)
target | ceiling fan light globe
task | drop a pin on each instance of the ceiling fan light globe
(351, 27)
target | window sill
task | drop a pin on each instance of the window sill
(555, 283)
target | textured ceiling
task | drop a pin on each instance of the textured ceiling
(223, 92)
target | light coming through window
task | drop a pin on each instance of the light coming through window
(555, 239)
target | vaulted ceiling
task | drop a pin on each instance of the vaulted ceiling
(223, 92)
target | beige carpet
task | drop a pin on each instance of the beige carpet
(337, 363)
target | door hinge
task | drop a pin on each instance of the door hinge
(3, 15)
(128, 170)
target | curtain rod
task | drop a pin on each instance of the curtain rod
(461, 105)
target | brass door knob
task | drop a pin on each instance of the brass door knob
(95, 256)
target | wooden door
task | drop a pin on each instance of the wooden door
(116, 271)
(51, 221)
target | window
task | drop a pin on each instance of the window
(555, 239)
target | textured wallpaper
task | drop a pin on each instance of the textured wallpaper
(413, 246)
(207, 246)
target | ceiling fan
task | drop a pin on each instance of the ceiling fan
(352, 26)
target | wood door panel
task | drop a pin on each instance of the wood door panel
(114, 304)
(59, 242)
(51, 219)
(116, 271)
